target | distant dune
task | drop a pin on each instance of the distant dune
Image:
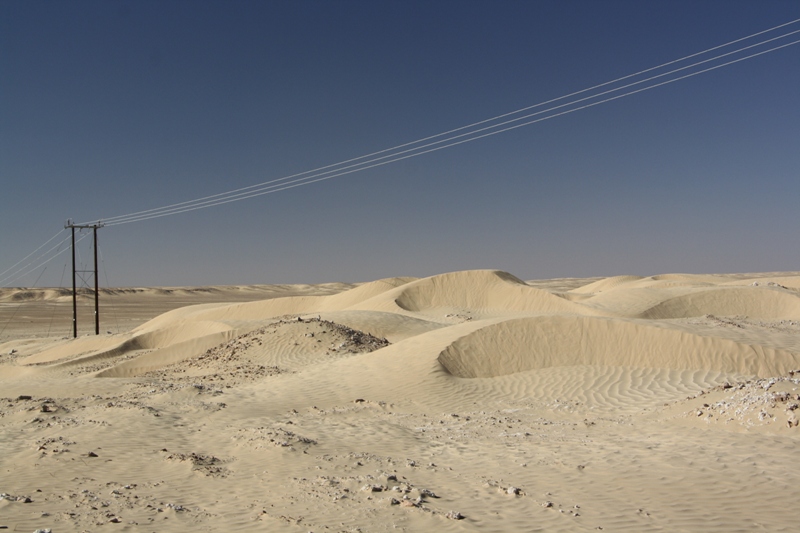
(233, 292)
(467, 401)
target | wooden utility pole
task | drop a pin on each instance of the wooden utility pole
(94, 227)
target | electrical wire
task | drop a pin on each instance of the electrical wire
(8, 280)
(33, 252)
(449, 141)
(209, 202)
(21, 269)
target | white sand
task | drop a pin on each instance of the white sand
(628, 404)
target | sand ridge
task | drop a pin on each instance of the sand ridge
(468, 401)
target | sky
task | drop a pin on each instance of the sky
(113, 107)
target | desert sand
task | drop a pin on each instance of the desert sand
(468, 401)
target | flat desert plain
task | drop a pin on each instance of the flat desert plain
(468, 401)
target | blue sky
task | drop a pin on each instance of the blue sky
(112, 107)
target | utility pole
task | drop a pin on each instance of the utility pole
(93, 227)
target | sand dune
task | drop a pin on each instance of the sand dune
(479, 293)
(684, 302)
(523, 344)
(467, 401)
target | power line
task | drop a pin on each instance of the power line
(32, 269)
(225, 197)
(288, 186)
(30, 254)
(451, 141)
